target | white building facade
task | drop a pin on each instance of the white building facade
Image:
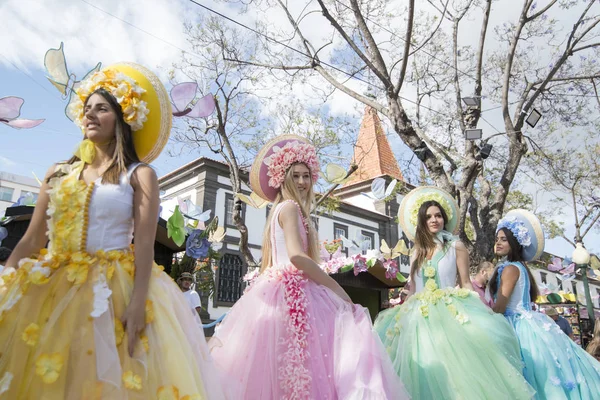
(12, 187)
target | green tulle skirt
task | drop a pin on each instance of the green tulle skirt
(446, 344)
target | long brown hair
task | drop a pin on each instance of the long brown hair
(424, 240)
(288, 191)
(515, 254)
(124, 154)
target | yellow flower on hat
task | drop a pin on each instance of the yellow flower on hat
(169, 392)
(429, 196)
(31, 334)
(48, 366)
(132, 381)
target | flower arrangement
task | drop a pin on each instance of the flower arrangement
(518, 229)
(283, 158)
(127, 92)
(429, 196)
(334, 261)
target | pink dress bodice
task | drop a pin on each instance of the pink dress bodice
(279, 252)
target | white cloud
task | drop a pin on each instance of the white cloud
(90, 35)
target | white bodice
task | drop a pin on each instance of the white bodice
(110, 225)
(279, 252)
(446, 268)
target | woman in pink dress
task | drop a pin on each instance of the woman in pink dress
(295, 334)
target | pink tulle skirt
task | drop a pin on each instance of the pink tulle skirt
(290, 338)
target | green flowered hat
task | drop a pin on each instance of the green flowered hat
(409, 209)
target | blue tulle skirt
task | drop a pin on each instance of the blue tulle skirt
(554, 364)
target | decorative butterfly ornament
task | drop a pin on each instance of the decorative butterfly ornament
(10, 110)
(398, 250)
(253, 200)
(334, 174)
(378, 189)
(182, 101)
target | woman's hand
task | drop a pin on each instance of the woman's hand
(134, 323)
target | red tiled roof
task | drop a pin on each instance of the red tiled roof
(372, 152)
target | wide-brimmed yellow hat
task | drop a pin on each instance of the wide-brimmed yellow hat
(144, 101)
(409, 209)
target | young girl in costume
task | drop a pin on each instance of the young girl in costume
(555, 365)
(443, 341)
(90, 317)
(295, 334)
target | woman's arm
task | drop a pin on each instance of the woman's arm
(288, 219)
(508, 280)
(462, 265)
(145, 210)
(35, 237)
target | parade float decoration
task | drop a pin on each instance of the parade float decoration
(61, 78)
(334, 261)
(379, 191)
(184, 103)
(10, 110)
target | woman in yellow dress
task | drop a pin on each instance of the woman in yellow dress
(91, 317)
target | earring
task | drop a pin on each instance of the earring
(86, 151)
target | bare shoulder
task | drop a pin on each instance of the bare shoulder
(511, 272)
(289, 209)
(143, 175)
(460, 246)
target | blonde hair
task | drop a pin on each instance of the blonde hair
(594, 346)
(288, 191)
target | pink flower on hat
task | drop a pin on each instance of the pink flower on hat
(283, 158)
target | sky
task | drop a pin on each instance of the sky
(147, 32)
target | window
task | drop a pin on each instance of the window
(229, 285)
(543, 277)
(6, 193)
(229, 204)
(339, 231)
(368, 241)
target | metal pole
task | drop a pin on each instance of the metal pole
(588, 297)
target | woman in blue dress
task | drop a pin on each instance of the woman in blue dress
(554, 365)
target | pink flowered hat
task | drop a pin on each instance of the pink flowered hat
(275, 158)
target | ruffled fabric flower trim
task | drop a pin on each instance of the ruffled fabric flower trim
(432, 295)
(428, 196)
(295, 379)
(67, 209)
(126, 90)
(518, 229)
(283, 157)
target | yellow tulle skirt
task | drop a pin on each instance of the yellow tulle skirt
(61, 335)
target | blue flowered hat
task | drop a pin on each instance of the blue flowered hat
(527, 229)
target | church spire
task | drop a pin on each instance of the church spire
(372, 152)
